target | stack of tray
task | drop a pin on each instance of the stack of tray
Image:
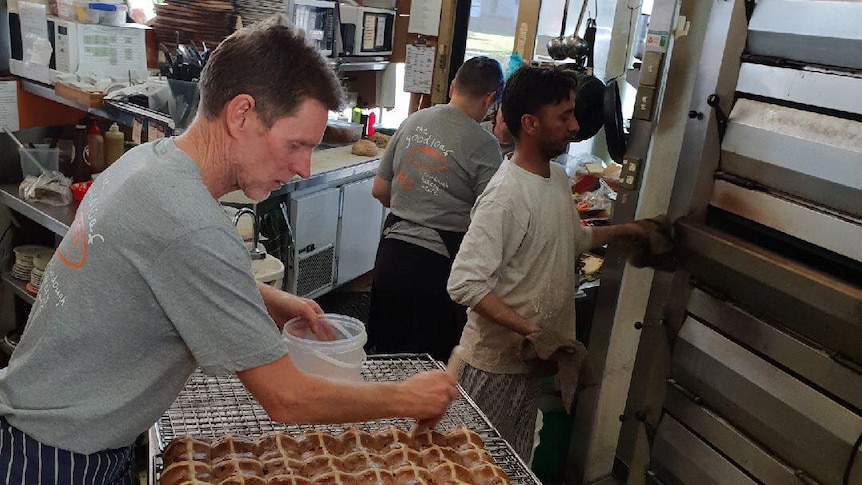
(214, 406)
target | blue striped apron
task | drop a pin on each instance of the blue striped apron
(25, 461)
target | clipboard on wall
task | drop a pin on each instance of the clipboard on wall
(419, 67)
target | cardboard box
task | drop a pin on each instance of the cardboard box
(84, 98)
(526, 27)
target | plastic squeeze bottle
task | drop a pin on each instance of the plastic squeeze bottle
(114, 144)
(95, 148)
(369, 127)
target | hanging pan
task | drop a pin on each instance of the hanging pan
(613, 114)
(589, 106)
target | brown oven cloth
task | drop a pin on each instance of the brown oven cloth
(567, 353)
(658, 250)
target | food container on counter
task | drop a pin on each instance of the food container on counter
(342, 132)
(48, 157)
(338, 354)
(107, 14)
(79, 189)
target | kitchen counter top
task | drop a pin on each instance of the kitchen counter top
(56, 219)
(327, 165)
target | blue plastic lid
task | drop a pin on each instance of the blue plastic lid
(107, 7)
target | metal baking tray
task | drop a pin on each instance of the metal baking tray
(211, 406)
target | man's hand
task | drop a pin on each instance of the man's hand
(427, 395)
(645, 242)
(283, 306)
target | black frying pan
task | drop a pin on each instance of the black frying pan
(613, 122)
(589, 106)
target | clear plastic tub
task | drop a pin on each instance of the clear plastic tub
(107, 14)
(75, 10)
(48, 157)
(338, 358)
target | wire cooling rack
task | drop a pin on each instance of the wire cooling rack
(212, 406)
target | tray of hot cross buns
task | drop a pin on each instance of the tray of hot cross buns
(216, 433)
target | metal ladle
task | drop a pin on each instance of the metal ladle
(555, 45)
(574, 46)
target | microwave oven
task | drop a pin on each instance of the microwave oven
(317, 19)
(367, 31)
(89, 49)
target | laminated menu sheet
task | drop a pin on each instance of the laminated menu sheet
(118, 52)
(9, 105)
(419, 69)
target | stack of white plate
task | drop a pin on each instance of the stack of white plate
(40, 262)
(24, 261)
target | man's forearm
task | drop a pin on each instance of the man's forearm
(602, 235)
(291, 396)
(382, 190)
(267, 292)
(493, 308)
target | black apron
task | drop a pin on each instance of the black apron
(411, 311)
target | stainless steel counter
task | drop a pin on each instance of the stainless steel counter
(55, 219)
(58, 219)
(329, 176)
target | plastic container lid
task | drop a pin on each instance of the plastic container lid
(106, 7)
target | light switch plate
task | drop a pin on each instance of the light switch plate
(630, 175)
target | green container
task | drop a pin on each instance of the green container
(550, 456)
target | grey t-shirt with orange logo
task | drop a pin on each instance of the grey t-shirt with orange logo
(151, 281)
(438, 162)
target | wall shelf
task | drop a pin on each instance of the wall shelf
(121, 112)
(55, 219)
(354, 64)
(18, 287)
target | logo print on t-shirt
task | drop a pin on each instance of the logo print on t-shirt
(404, 181)
(73, 250)
(427, 158)
(75, 253)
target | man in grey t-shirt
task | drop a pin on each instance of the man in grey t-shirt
(434, 168)
(152, 281)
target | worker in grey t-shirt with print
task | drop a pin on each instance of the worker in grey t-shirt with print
(152, 281)
(434, 168)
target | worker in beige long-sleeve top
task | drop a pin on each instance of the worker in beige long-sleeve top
(516, 266)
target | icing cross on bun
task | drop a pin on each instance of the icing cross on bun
(389, 456)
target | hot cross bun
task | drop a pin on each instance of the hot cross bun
(389, 456)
